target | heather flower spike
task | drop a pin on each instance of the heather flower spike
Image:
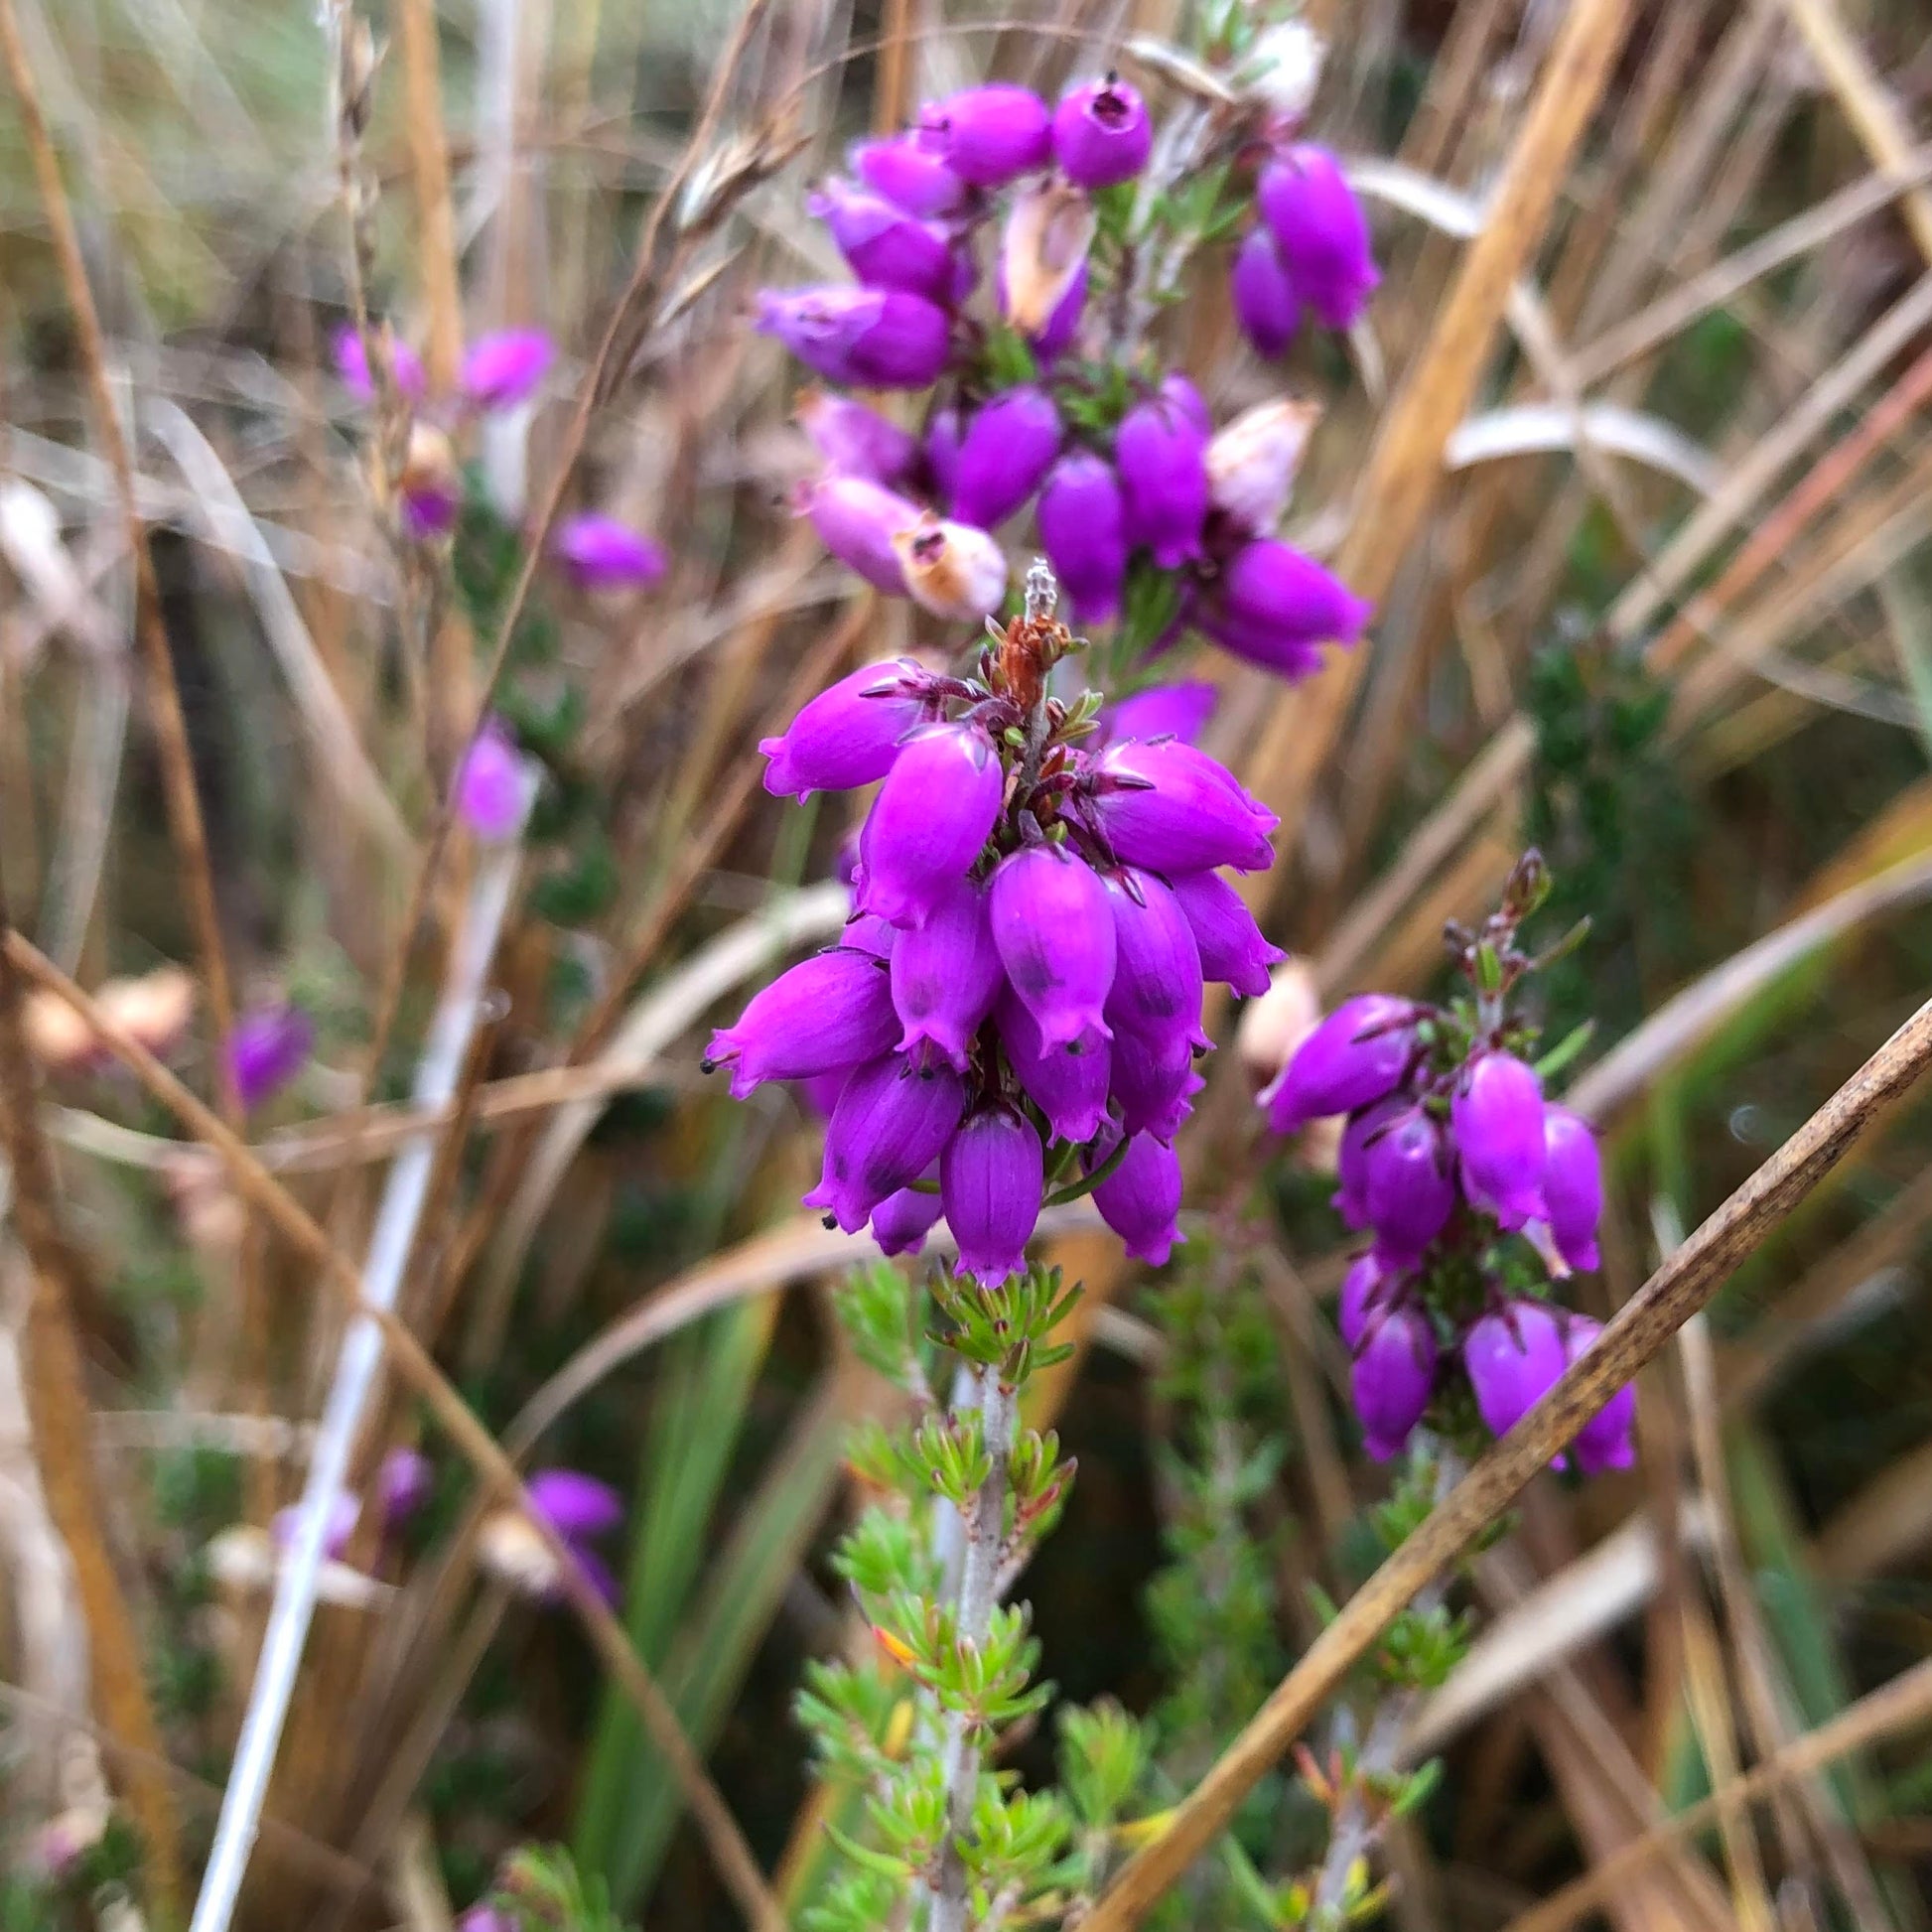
(847, 734)
(829, 1012)
(507, 367)
(990, 1180)
(1101, 133)
(603, 554)
(267, 1049)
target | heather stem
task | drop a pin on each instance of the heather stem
(973, 1604)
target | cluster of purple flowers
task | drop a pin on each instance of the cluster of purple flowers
(502, 370)
(1019, 991)
(1449, 1148)
(1120, 463)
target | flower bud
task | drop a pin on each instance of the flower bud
(1287, 1012)
(1140, 1199)
(909, 171)
(1070, 1083)
(1513, 1359)
(404, 1483)
(1251, 464)
(847, 735)
(489, 788)
(1055, 935)
(505, 368)
(988, 135)
(1044, 254)
(1101, 133)
(1276, 607)
(991, 1176)
(1152, 1080)
(1603, 1443)
(1007, 448)
(1231, 945)
(428, 486)
(1172, 808)
(267, 1049)
(353, 366)
(901, 1221)
(1365, 1291)
(859, 522)
(1497, 1116)
(947, 974)
(953, 570)
(1265, 301)
(1405, 1187)
(828, 1012)
(1160, 452)
(1357, 1055)
(1156, 987)
(1081, 517)
(889, 1126)
(1395, 1371)
(856, 441)
(868, 339)
(885, 248)
(932, 815)
(1573, 1185)
(603, 554)
(1320, 230)
(1177, 711)
(574, 1504)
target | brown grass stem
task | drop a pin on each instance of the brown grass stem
(1685, 1283)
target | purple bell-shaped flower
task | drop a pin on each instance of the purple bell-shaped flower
(901, 1221)
(909, 171)
(1513, 1359)
(1357, 1055)
(885, 248)
(267, 1049)
(990, 1179)
(860, 521)
(603, 554)
(505, 368)
(831, 1011)
(353, 366)
(1497, 1117)
(1365, 1291)
(1605, 1442)
(947, 974)
(1157, 988)
(990, 135)
(866, 339)
(1161, 453)
(1055, 935)
(1172, 808)
(1265, 301)
(847, 735)
(1573, 1185)
(943, 436)
(1320, 230)
(490, 787)
(1177, 711)
(1152, 1080)
(1230, 944)
(1350, 1198)
(1101, 133)
(856, 441)
(1068, 1085)
(932, 815)
(1395, 1371)
(1276, 607)
(1140, 1199)
(1009, 446)
(889, 1126)
(1407, 1191)
(1081, 517)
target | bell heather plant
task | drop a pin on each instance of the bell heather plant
(1010, 261)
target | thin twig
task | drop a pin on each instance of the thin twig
(1682, 1286)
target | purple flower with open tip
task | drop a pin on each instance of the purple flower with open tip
(830, 1012)
(909, 171)
(1068, 1084)
(1395, 1372)
(892, 1123)
(1172, 808)
(885, 248)
(990, 1179)
(849, 735)
(929, 821)
(992, 134)
(1101, 133)
(1230, 944)
(1055, 936)
(1357, 1055)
